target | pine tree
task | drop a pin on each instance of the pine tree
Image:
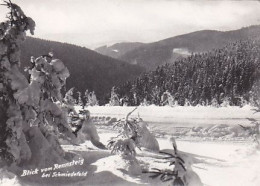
(114, 100)
(13, 145)
(94, 101)
(80, 102)
(86, 98)
(31, 112)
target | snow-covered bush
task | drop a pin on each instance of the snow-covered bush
(132, 133)
(180, 175)
(125, 144)
(176, 175)
(86, 130)
(126, 147)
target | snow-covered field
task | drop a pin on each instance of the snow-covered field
(229, 157)
(181, 116)
(200, 123)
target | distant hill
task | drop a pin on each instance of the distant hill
(118, 49)
(89, 69)
(168, 50)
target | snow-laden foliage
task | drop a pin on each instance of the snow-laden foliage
(255, 94)
(79, 101)
(44, 112)
(145, 102)
(32, 113)
(13, 144)
(86, 102)
(114, 99)
(167, 99)
(133, 133)
(90, 98)
(180, 175)
(47, 80)
(69, 97)
(85, 129)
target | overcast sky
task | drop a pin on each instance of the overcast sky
(92, 23)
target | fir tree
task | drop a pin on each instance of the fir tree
(114, 100)
(31, 112)
(13, 145)
(79, 101)
(86, 98)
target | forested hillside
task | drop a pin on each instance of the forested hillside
(226, 74)
(88, 69)
(151, 55)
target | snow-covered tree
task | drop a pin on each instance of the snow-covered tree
(167, 99)
(133, 130)
(94, 100)
(68, 106)
(155, 95)
(46, 102)
(214, 102)
(69, 99)
(187, 103)
(255, 92)
(13, 143)
(31, 112)
(86, 96)
(145, 102)
(91, 98)
(114, 100)
(225, 102)
(132, 133)
(79, 101)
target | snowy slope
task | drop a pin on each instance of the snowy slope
(215, 162)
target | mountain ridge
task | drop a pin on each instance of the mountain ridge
(150, 55)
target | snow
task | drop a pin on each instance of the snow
(181, 116)
(182, 51)
(7, 178)
(213, 161)
(225, 164)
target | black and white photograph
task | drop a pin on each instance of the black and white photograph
(129, 92)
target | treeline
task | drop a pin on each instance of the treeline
(226, 74)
